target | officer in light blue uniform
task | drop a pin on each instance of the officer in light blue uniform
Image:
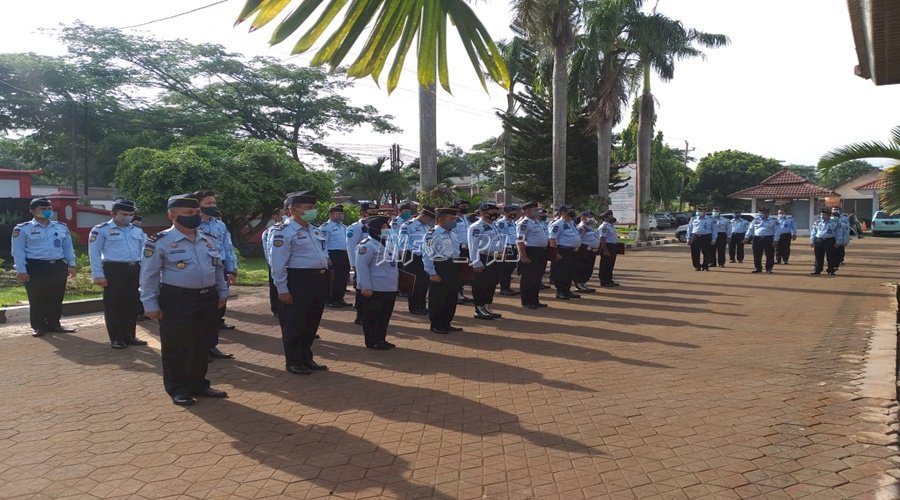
(531, 238)
(564, 237)
(788, 228)
(355, 233)
(406, 212)
(507, 228)
(739, 227)
(587, 252)
(336, 244)
(701, 233)
(273, 292)
(412, 241)
(299, 271)
(183, 286)
(824, 237)
(723, 234)
(843, 238)
(115, 248)
(763, 232)
(378, 278)
(461, 231)
(44, 258)
(609, 249)
(486, 252)
(441, 260)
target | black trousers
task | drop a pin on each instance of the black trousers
(46, 288)
(824, 250)
(701, 244)
(584, 265)
(442, 297)
(532, 274)
(121, 299)
(720, 246)
(212, 335)
(463, 254)
(340, 267)
(418, 299)
(485, 283)
(608, 263)
(783, 248)
(274, 303)
(736, 247)
(300, 319)
(506, 268)
(186, 317)
(375, 314)
(562, 271)
(839, 253)
(763, 244)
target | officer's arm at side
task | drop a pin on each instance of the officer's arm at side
(151, 264)
(363, 272)
(18, 250)
(95, 245)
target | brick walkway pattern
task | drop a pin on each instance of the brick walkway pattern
(679, 384)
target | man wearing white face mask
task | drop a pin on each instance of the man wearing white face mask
(115, 249)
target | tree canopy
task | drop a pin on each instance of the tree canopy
(724, 172)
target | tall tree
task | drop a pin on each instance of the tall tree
(724, 172)
(659, 41)
(551, 25)
(890, 197)
(428, 178)
(374, 181)
(846, 171)
(519, 58)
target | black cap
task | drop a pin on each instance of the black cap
(459, 201)
(488, 205)
(428, 210)
(368, 205)
(406, 204)
(186, 200)
(824, 211)
(587, 213)
(336, 208)
(376, 222)
(123, 204)
(563, 208)
(701, 208)
(529, 205)
(605, 214)
(39, 202)
(511, 207)
(764, 209)
(298, 197)
(446, 211)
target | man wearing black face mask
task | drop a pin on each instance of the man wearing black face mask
(486, 250)
(183, 285)
(211, 223)
(564, 237)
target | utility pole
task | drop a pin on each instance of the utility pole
(396, 163)
(687, 150)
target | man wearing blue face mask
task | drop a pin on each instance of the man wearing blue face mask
(412, 240)
(44, 257)
(115, 248)
(762, 233)
(406, 213)
(701, 233)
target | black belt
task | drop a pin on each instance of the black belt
(310, 271)
(39, 261)
(560, 247)
(123, 264)
(191, 291)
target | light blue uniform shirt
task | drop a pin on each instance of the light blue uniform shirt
(335, 235)
(763, 227)
(171, 258)
(739, 225)
(484, 238)
(218, 229)
(824, 229)
(565, 233)
(608, 231)
(507, 229)
(293, 246)
(787, 225)
(461, 231)
(589, 237)
(376, 266)
(532, 233)
(845, 233)
(265, 245)
(31, 240)
(412, 236)
(723, 225)
(700, 226)
(109, 242)
(440, 245)
(355, 234)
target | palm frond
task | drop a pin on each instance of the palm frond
(858, 151)
(890, 198)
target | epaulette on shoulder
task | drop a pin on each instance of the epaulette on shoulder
(23, 224)
(157, 236)
(280, 226)
(60, 223)
(207, 233)
(98, 226)
(364, 240)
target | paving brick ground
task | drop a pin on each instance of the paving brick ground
(677, 385)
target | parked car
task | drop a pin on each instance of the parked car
(665, 220)
(681, 218)
(882, 223)
(654, 224)
(681, 232)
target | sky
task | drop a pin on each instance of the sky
(784, 88)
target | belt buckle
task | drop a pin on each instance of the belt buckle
(51, 262)
(321, 271)
(204, 290)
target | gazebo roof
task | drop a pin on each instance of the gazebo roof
(879, 184)
(783, 185)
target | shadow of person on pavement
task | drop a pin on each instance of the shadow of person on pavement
(86, 352)
(339, 392)
(327, 456)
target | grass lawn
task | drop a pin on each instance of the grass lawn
(253, 272)
(12, 293)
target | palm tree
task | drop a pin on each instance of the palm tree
(890, 197)
(391, 24)
(602, 75)
(551, 25)
(658, 42)
(373, 181)
(427, 137)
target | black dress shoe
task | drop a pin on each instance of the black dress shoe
(441, 331)
(389, 344)
(316, 337)
(531, 306)
(334, 305)
(615, 283)
(38, 333)
(209, 392)
(381, 346)
(508, 292)
(756, 271)
(312, 365)
(815, 273)
(298, 369)
(215, 353)
(573, 295)
(183, 400)
(607, 285)
(561, 296)
(135, 342)
(539, 304)
(454, 328)
(60, 329)
(545, 287)
(357, 321)
(769, 271)
(732, 261)
(118, 344)
(226, 326)
(698, 269)
(419, 312)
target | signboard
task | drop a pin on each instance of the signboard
(624, 201)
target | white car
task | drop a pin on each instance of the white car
(652, 221)
(883, 223)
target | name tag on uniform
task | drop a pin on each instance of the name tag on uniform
(57, 243)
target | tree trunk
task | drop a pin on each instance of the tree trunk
(644, 144)
(560, 122)
(507, 178)
(427, 138)
(604, 148)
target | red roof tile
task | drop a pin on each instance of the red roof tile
(879, 184)
(784, 184)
